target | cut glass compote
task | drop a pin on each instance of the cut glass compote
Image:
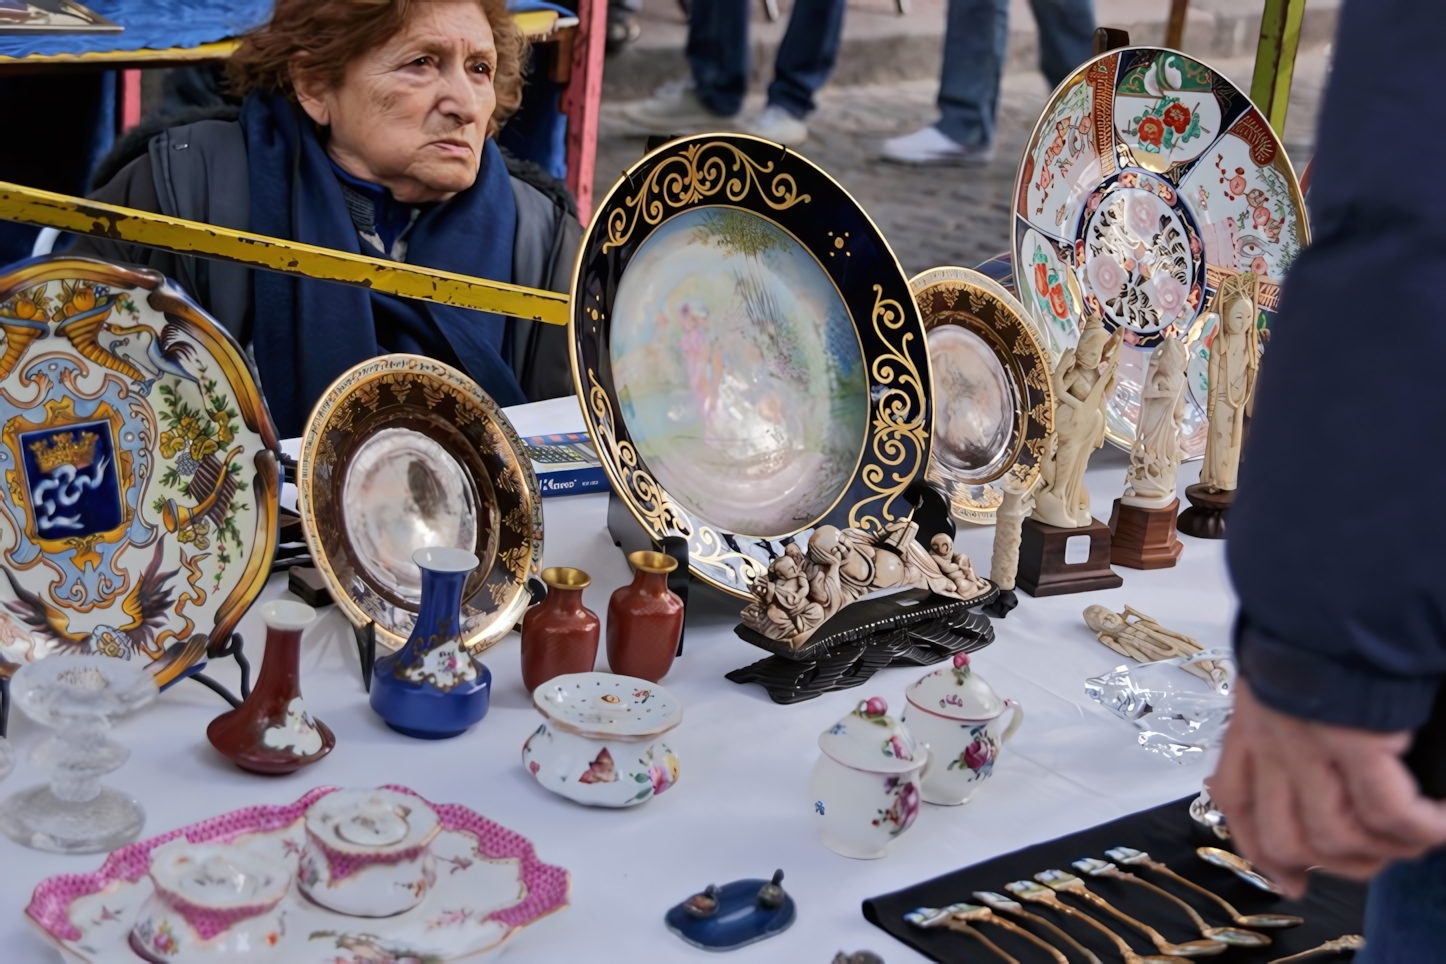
(78, 697)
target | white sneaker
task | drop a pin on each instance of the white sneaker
(676, 111)
(932, 146)
(779, 126)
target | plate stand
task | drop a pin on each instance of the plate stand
(630, 537)
(1054, 561)
(911, 628)
(1144, 538)
(1205, 519)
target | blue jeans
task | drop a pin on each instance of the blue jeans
(1406, 913)
(976, 42)
(718, 53)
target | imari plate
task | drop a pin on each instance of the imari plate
(139, 505)
(490, 884)
(405, 453)
(993, 406)
(1148, 180)
(747, 354)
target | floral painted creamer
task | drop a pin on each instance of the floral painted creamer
(211, 902)
(865, 786)
(368, 852)
(602, 741)
(958, 716)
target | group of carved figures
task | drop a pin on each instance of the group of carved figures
(802, 590)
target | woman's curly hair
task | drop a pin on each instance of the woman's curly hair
(323, 36)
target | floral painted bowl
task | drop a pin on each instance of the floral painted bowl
(493, 886)
(601, 743)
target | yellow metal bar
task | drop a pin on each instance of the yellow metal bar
(212, 51)
(126, 225)
(1275, 59)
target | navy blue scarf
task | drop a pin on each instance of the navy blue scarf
(306, 333)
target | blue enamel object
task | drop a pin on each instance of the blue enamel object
(731, 916)
(433, 688)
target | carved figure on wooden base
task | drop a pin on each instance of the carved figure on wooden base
(1234, 361)
(1082, 384)
(1156, 454)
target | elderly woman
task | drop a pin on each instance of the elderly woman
(366, 127)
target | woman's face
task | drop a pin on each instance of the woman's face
(412, 114)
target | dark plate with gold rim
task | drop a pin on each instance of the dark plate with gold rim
(993, 405)
(747, 353)
(404, 453)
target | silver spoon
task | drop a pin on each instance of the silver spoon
(1068, 883)
(927, 917)
(1001, 904)
(1138, 858)
(1349, 942)
(1239, 866)
(1234, 936)
(1039, 894)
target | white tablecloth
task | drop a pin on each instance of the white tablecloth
(741, 807)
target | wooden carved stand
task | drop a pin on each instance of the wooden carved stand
(911, 628)
(1205, 519)
(1054, 561)
(1144, 538)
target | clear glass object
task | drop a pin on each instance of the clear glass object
(1180, 706)
(79, 697)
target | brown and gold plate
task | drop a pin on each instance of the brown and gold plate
(404, 453)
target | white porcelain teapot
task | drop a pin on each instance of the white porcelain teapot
(962, 722)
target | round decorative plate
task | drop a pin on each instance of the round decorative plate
(138, 515)
(993, 406)
(747, 354)
(404, 453)
(1148, 181)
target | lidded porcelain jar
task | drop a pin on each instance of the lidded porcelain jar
(368, 852)
(211, 901)
(963, 722)
(865, 785)
(602, 740)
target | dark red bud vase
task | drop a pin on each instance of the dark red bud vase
(559, 634)
(645, 619)
(272, 732)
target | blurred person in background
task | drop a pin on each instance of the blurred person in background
(717, 54)
(976, 43)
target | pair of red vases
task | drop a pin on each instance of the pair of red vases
(645, 622)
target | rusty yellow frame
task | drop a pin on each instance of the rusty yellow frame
(126, 225)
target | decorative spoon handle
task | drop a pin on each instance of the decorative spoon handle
(973, 932)
(1053, 928)
(1348, 942)
(1014, 928)
(1225, 905)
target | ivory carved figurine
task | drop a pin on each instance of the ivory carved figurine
(803, 589)
(1082, 384)
(1234, 361)
(1133, 634)
(1018, 501)
(1156, 454)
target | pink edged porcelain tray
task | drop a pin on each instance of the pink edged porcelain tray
(489, 886)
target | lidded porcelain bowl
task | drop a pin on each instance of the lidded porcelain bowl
(865, 785)
(368, 852)
(211, 901)
(962, 721)
(601, 742)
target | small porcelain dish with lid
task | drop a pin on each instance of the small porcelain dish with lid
(865, 785)
(211, 901)
(601, 743)
(962, 721)
(368, 852)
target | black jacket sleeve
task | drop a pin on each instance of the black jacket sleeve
(1337, 544)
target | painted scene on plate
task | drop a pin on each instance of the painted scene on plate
(738, 371)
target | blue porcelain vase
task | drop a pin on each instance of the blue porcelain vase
(432, 688)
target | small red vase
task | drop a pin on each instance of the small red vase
(559, 634)
(271, 732)
(645, 619)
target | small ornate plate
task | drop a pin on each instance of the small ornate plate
(747, 354)
(1148, 180)
(141, 484)
(993, 406)
(405, 453)
(490, 885)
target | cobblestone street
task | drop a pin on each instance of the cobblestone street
(942, 215)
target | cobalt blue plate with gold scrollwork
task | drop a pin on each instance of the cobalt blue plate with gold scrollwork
(748, 355)
(139, 506)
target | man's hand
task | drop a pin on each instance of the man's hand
(1300, 794)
